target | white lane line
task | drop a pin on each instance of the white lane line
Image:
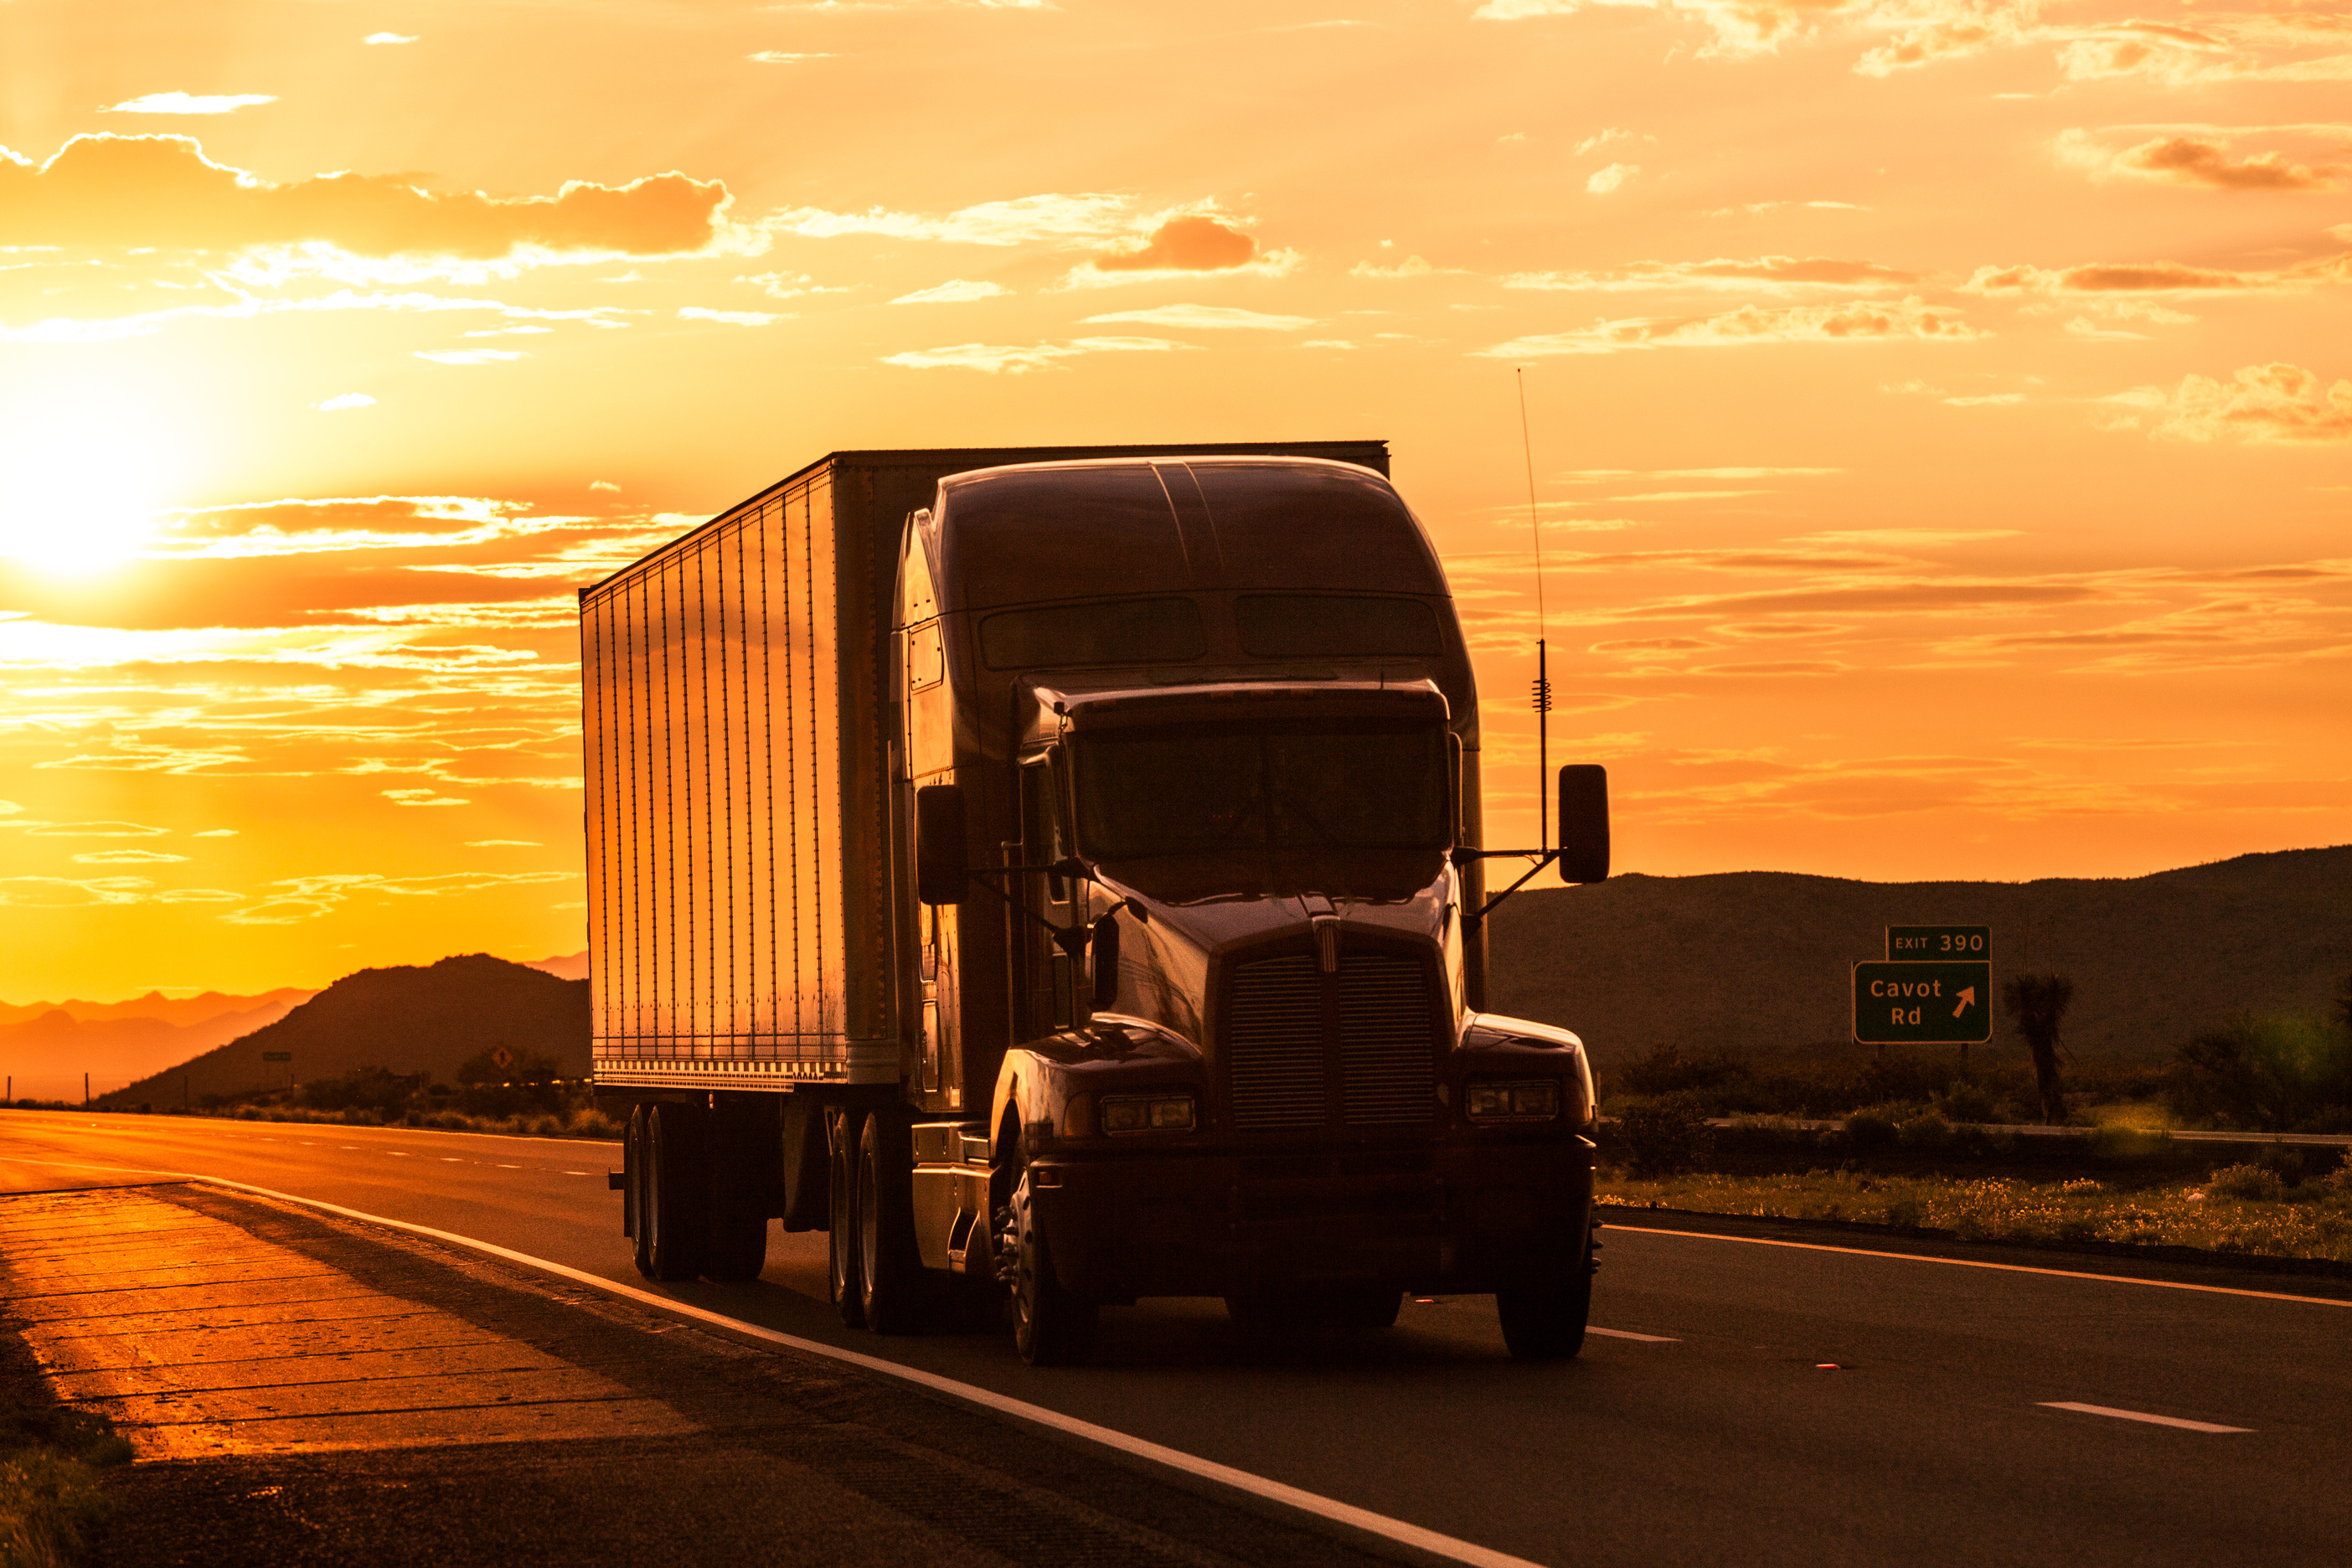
(576, 1173)
(1630, 1334)
(1337, 1513)
(2140, 1416)
(510, 1167)
(1974, 1262)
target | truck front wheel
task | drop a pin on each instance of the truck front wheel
(1051, 1327)
(1546, 1321)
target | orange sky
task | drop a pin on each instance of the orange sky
(1941, 409)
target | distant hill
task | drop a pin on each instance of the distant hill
(564, 966)
(181, 1011)
(1760, 960)
(408, 1018)
(44, 1056)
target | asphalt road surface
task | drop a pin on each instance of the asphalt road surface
(1742, 1404)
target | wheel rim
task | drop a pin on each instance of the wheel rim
(651, 1218)
(1025, 1269)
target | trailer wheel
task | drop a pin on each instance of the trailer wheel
(671, 1218)
(1545, 1322)
(1051, 1327)
(890, 1268)
(844, 1128)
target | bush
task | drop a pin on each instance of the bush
(1658, 1137)
(1926, 1130)
(379, 1091)
(2248, 1182)
(2276, 1074)
(1665, 1071)
(1870, 1130)
(1969, 1102)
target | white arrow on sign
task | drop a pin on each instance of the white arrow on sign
(1967, 996)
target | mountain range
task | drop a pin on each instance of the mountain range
(410, 1018)
(1755, 962)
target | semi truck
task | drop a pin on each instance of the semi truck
(1058, 875)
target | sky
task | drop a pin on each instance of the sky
(1937, 412)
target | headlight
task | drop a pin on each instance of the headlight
(1147, 1113)
(1536, 1099)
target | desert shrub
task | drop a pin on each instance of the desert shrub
(1926, 1130)
(1663, 1135)
(374, 1089)
(528, 1085)
(594, 1123)
(2275, 1074)
(2248, 1182)
(1869, 1132)
(1966, 1101)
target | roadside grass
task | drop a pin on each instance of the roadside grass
(2240, 1208)
(51, 1501)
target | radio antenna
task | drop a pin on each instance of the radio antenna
(1543, 683)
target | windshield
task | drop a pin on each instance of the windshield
(1363, 785)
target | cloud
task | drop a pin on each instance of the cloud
(1022, 221)
(783, 286)
(187, 103)
(504, 844)
(731, 318)
(94, 830)
(2194, 161)
(2264, 404)
(346, 400)
(60, 893)
(1925, 30)
(1608, 138)
(468, 356)
(994, 360)
(779, 58)
(1411, 267)
(1605, 180)
(127, 858)
(422, 798)
(2126, 277)
(1763, 271)
(1855, 322)
(216, 832)
(1194, 244)
(1217, 317)
(1986, 400)
(162, 192)
(1589, 476)
(389, 38)
(309, 898)
(954, 291)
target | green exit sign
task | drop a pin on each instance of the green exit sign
(1938, 942)
(1903, 1004)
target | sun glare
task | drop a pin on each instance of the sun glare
(80, 481)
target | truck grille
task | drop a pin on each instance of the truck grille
(1280, 1058)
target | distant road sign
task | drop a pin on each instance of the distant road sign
(277, 1055)
(1938, 942)
(1901, 1004)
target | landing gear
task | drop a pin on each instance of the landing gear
(1546, 1321)
(1051, 1327)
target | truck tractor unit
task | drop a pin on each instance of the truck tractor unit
(1056, 874)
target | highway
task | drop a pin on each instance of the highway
(1749, 1404)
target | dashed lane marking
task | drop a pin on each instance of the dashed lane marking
(2140, 1416)
(1975, 1263)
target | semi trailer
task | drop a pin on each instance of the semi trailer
(1058, 875)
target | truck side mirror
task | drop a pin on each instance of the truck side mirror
(1583, 823)
(1104, 947)
(942, 865)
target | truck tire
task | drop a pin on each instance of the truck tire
(842, 1281)
(1546, 1321)
(671, 1220)
(738, 1244)
(890, 1268)
(1051, 1327)
(633, 1191)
